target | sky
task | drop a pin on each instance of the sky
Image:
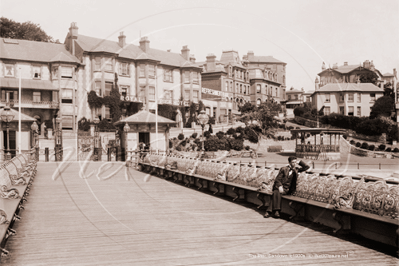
(303, 34)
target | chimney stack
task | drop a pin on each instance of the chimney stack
(345, 63)
(73, 30)
(168, 50)
(145, 44)
(323, 66)
(192, 58)
(210, 62)
(335, 66)
(122, 39)
(185, 52)
(250, 53)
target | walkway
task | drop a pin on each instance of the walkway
(142, 220)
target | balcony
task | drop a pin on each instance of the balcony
(32, 104)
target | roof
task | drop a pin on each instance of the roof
(319, 130)
(35, 51)
(388, 74)
(362, 87)
(293, 91)
(13, 83)
(24, 117)
(294, 102)
(231, 57)
(145, 117)
(263, 59)
(131, 51)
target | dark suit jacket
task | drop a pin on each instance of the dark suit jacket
(288, 182)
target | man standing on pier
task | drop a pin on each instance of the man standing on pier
(284, 184)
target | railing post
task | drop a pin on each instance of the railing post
(109, 155)
(46, 154)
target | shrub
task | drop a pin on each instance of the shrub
(345, 136)
(83, 124)
(365, 145)
(220, 134)
(396, 150)
(352, 142)
(240, 130)
(212, 120)
(180, 136)
(235, 135)
(207, 134)
(297, 128)
(388, 149)
(247, 148)
(382, 147)
(231, 131)
(194, 135)
(236, 144)
(358, 144)
(104, 125)
(299, 111)
(371, 147)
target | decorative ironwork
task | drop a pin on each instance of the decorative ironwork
(3, 217)
(11, 193)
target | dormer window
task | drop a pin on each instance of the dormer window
(9, 70)
(37, 73)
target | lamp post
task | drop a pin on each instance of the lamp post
(126, 129)
(58, 140)
(34, 127)
(97, 140)
(7, 116)
(203, 119)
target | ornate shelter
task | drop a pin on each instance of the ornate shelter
(317, 143)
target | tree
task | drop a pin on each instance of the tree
(201, 106)
(383, 106)
(369, 77)
(388, 90)
(23, 31)
(247, 108)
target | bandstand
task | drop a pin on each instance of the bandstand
(317, 143)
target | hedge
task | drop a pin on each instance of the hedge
(371, 147)
(365, 145)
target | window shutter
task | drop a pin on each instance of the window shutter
(3, 95)
(16, 96)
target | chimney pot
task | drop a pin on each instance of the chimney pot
(73, 30)
(145, 44)
(122, 39)
(185, 52)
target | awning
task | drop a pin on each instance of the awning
(33, 84)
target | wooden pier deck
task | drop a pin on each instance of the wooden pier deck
(134, 219)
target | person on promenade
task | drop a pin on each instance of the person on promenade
(284, 184)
